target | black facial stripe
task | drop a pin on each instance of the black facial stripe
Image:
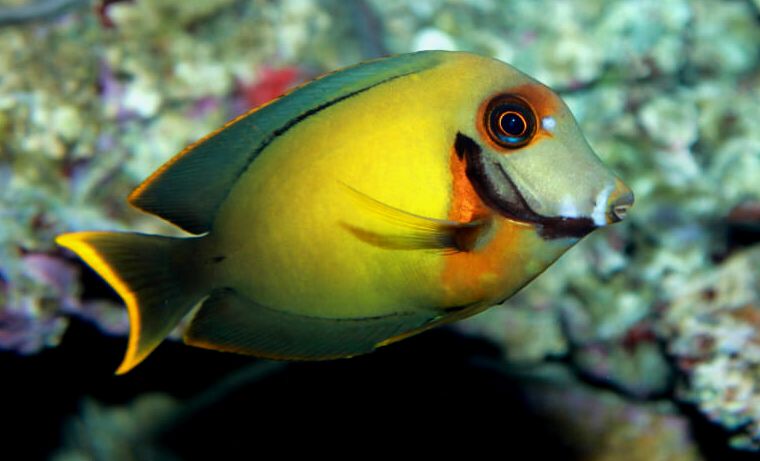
(523, 210)
(476, 170)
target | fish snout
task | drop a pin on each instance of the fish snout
(618, 203)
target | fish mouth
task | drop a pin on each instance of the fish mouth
(496, 188)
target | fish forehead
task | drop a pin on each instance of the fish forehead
(449, 93)
(454, 90)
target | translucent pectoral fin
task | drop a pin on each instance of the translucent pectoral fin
(407, 231)
(228, 321)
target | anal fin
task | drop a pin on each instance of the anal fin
(228, 321)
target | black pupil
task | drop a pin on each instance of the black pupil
(513, 124)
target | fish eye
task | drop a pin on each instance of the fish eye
(511, 122)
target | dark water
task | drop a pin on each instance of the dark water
(425, 393)
(426, 386)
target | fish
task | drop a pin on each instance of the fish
(363, 207)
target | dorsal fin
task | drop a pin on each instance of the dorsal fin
(188, 190)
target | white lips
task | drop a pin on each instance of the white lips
(599, 215)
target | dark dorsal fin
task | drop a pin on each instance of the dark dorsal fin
(188, 190)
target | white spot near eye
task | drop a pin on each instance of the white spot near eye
(599, 215)
(548, 123)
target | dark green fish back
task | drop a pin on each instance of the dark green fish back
(188, 190)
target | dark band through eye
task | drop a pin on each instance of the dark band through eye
(510, 121)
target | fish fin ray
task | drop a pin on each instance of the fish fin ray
(415, 232)
(139, 268)
(228, 321)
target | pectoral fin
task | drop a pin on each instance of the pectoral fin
(409, 231)
(228, 321)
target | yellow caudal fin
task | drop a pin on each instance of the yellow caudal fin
(150, 274)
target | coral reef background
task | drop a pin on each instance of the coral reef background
(642, 343)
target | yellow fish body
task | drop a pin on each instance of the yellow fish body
(366, 206)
